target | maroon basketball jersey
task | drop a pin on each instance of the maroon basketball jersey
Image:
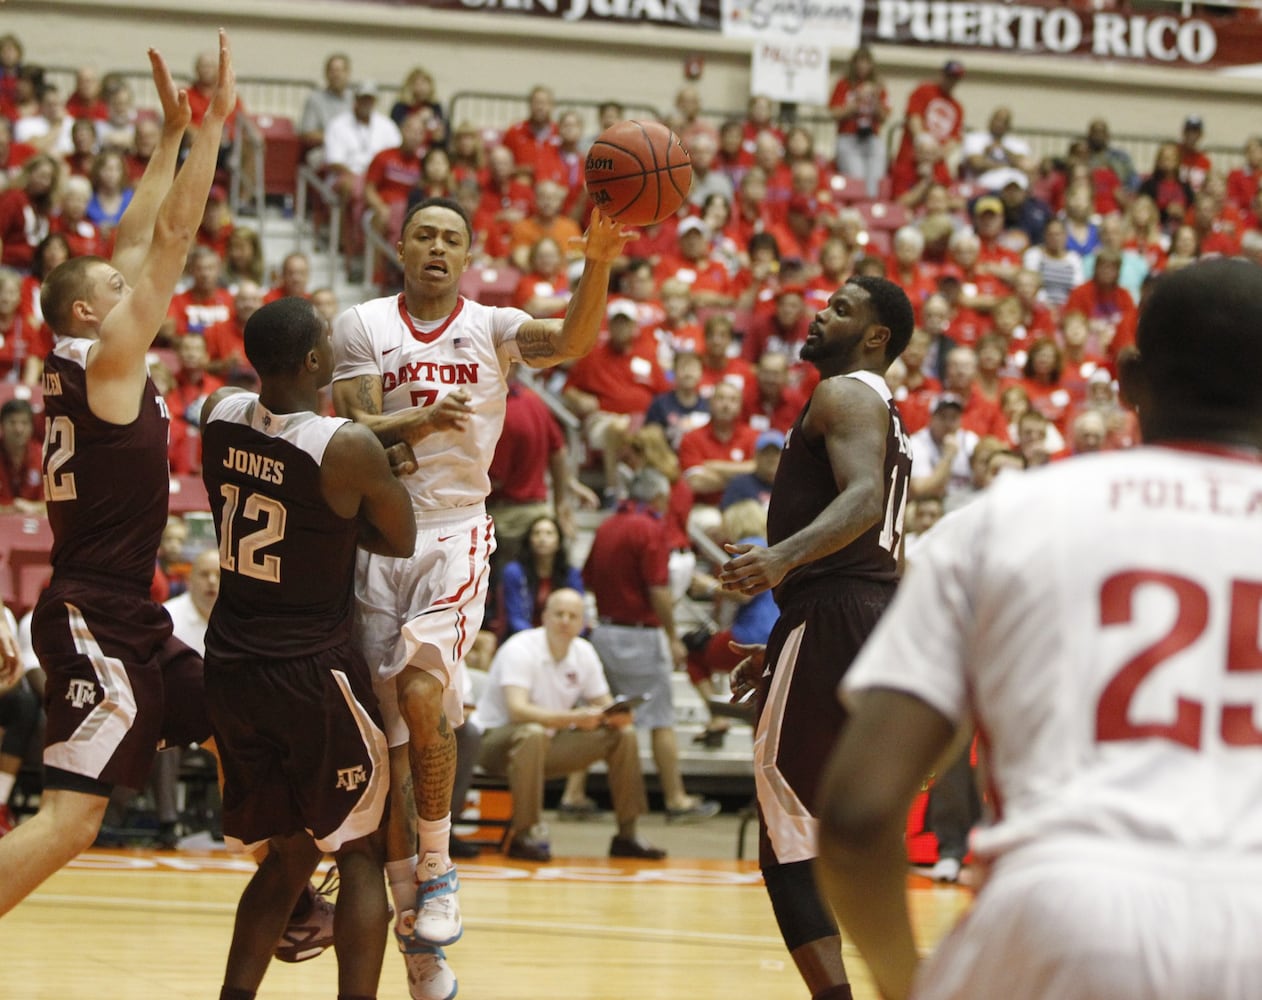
(107, 485)
(805, 485)
(287, 561)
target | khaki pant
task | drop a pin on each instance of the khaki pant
(528, 756)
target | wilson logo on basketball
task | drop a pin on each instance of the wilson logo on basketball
(599, 163)
(351, 778)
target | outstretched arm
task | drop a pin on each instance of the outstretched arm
(546, 342)
(129, 329)
(135, 230)
(854, 422)
(360, 399)
(356, 480)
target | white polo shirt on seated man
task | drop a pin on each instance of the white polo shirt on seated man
(543, 715)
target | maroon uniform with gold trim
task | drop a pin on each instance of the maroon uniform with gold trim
(289, 695)
(118, 683)
(827, 610)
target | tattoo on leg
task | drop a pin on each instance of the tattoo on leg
(434, 770)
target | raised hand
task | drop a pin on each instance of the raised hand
(452, 412)
(175, 108)
(604, 238)
(225, 99)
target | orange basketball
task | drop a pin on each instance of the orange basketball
(638, 172)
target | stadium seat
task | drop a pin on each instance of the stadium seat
(188, 494)
(282, 152)
(25, 545)
(885, 216)
(492, 286)
(848, 189)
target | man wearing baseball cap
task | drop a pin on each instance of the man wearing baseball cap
(1193, 164)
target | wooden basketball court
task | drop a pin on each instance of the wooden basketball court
(155, 926)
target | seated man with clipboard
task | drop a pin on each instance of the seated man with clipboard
(547, 711)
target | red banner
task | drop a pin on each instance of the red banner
(1035, 27)
(1044, 27)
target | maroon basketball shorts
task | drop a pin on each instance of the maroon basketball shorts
(817, 637)
(301, 748)
(119, 685)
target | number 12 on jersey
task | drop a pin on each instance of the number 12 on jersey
(1242, 653)
(242, 555)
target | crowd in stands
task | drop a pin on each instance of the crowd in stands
(1025, 274)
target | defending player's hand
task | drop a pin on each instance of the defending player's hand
(224, 101)
(402, 458)
(604, 238)
(451, 413)
(752, 570)
(176, 112)
(745, 675)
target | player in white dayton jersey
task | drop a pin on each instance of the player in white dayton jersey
(427, 368)
(1098, 622)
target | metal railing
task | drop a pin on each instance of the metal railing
(497, 111)
(305, 228)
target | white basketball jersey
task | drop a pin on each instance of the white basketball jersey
(1099, 621)
(420, 363)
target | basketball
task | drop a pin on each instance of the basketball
(638, 172)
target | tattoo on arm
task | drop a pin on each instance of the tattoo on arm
(536, 344)
(364, 395)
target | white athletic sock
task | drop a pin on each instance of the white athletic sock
(402, 878)
(7, 781)
(435, 837)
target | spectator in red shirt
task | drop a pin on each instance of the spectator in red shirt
(678, 330)
(770, 402)
(711, 455)
(83, 148)
(685, 119)
(1215, 234)
(86, 101)
(691, 264)
(1044, 367)
(720, 362)
(980, 415)
(26, 210)
(394, 172)
(1166, 187)
(72, 223)
(547, 220)
(1242, 183)
(22, 484)
(23, 341)
(611, 388)
(193, 385)
(769, 158)
(1194, 165)
(750, 213)
(530, 453)
(801, 234)
(295, 278)
(732, 157)
(506, 199)
(996, 255)
(1109, 308)
(1036, 316)
(544, 288)
(860, 105)
(53, 250)
(530, 141)
(783, 331)
(919, 387)
(205, 303)
(225, 342)
(244, 258)
(216, 226)
(562, 163)
(932, 110)
(908, 267)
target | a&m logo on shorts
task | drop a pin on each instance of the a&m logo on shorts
(351, 778)
(81, 693)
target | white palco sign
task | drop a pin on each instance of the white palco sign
(789, 68)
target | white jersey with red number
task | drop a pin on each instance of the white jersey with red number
(1099, 621)
(421, 362)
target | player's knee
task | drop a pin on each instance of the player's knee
(800, 913)
(421, 698)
